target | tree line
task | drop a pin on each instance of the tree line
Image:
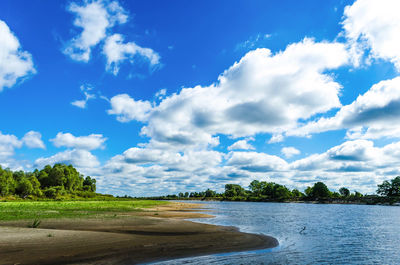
(51, 182)
(388, 191)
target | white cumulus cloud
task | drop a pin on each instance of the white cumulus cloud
(127, 109)
(116, 51)
(82, 159)
(97, 20)
(15, 63)
(262, 93)
(375, 114)
(375, 26)
(94, 17)
(90, 142)
(241, 145)
(33, 139)
(8, 143)
(288, 152)
(85, 89)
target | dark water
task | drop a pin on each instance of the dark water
(334, 234)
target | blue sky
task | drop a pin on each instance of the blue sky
(155, 97)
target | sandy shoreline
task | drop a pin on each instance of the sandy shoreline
(129, 238)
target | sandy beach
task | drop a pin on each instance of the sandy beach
(155, 234)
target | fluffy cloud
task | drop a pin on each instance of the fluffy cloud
(288, 152)
(94, 17)
(372, 115)
(97, 18)
(357, 164)
(375, 26)
(15, 64)
(241, 145)
(82, 159)
(128, 109)
(256, 162)
(90, 142)
(116, 51)
(262, 93)
(154, 171)
(83, 102)
(8, 143)
(33, 139)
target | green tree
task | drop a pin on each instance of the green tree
(281, 192)
(320, 191)
(308, 191)
(345, 192)
(391, 188)
(297, 194)
(7, 182)
(210, 193)
(24, 187)
(233, 190)
(89, 184)
(35, 185)
(256, 187)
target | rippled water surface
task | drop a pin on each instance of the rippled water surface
(334, 234)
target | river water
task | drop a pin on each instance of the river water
(309, 233)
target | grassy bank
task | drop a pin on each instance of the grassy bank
(20, 210)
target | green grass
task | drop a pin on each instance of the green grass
(21, 210)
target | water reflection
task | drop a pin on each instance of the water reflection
(333, 234)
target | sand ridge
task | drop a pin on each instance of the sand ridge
(129, 238)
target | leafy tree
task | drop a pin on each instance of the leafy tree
(308, 191)
(345, 192)
(53, 181)
(7, 182)
(50, 193)
(35, 185)
(391, 188)
(297, 194)
(357, 194)
(233, 190)
(268, 189)
(89, 184)
(281, 192)
(210, 193)
(256, 187)
(24, 187)
(319, 191)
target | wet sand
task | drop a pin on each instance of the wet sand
(156, 234)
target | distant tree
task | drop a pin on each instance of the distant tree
(24, 187)
(308, 191)
(256, 187)
(390, 189)
(345, 192)
(35, 185)
(186, 194)
(357, 194)
(7, 182)
(281, 192)
(320, 191)
(210, 193)
(180, 195)
(61, 178)
(50, 193)
(89, 184)
(233, 190)
(297, 194)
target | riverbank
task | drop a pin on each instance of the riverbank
(366, 200)
(157, 233)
